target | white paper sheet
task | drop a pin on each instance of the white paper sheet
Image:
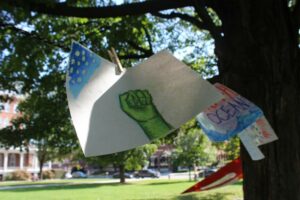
(261, 132)
(254, 152)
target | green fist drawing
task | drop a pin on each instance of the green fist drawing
(138, 105)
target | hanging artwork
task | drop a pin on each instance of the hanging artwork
(235, 115)
(229, 116)
(113, 113)
(261, 132)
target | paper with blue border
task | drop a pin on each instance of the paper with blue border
(89, 76)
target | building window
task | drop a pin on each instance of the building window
(13, 160)
(162, 160)
(28, 160)
(7, 107)
(1, 160)
(15, 108)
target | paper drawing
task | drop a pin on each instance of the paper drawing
(113, 113)
(138, 105)
(229, 116)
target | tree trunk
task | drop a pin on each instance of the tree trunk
(41, 164)
(258, 57)
(195, 168)
(190, 174)
(122, 171)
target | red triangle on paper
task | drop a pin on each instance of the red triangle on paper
(230, 173)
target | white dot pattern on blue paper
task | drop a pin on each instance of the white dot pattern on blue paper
(82, 65)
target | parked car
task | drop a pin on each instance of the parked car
(79, 174)
(147, 173)
(126, 175)
(207, 172)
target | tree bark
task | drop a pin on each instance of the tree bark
(258, 57)
(63, 9)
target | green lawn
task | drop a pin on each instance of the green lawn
(54, 181)
(141, 190)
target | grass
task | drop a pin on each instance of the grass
(53, 181)
(140, 190)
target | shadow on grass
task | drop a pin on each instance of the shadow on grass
(216, 196)
(166, 183)
(238, 183)
(66, 186)
(32, 184)
(195, 196)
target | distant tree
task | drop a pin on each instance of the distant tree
(231, 147)
(44, 122)
(140, 156)
(192, 148)
(134, 159)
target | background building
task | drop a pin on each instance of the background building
(161, 159)
(13, 159)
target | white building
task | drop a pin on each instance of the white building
(13, 159)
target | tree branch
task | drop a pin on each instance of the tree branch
(33, 35)
(132, 9)
(134, 56)
(146, 53)
(148, 36)
(202, 12)
(137, 47)
(185, 17)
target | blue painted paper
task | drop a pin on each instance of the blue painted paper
(228, 117)
(82, 65)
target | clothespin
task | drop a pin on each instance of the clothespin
(115, 59)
